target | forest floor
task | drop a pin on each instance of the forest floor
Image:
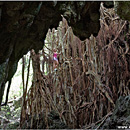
(10, 115)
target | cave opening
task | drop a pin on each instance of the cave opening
(82, 89)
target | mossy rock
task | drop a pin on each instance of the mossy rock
(121, 114)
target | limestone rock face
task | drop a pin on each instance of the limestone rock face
(122, 8)
(84, 18)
